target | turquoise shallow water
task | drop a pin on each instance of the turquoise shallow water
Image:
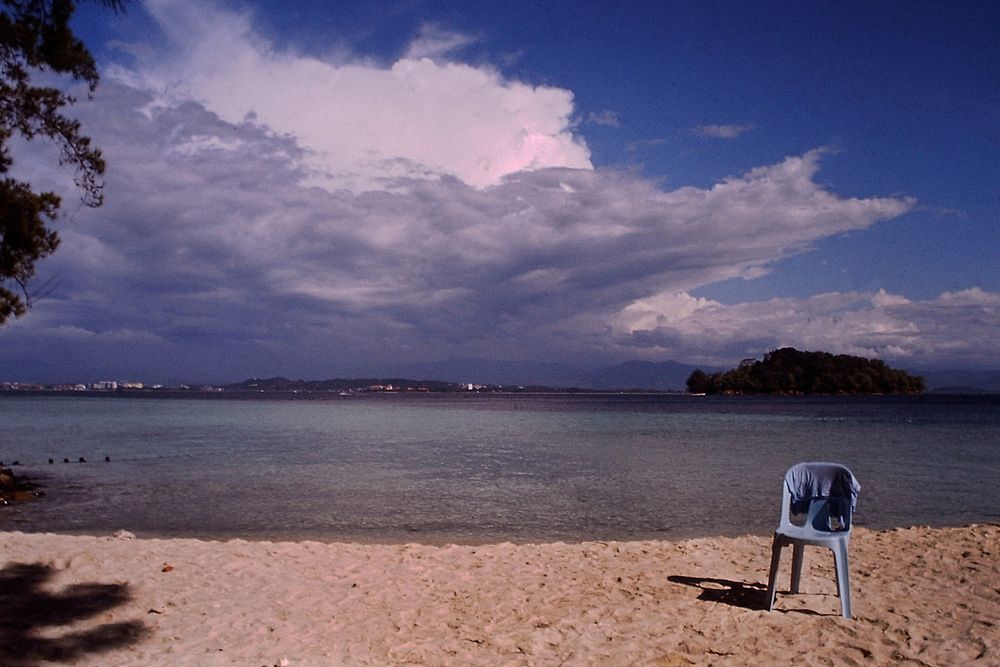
(473, 468)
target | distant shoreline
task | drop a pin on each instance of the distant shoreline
(198, 394)
(325, 395)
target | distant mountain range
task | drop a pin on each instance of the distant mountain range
(627, 376)
(648, 375)
(961, 382)
(655, 375)
(630, 375)
(453, 374)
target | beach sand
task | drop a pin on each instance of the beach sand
(921, 596)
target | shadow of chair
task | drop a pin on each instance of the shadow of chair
(26, 608)
(826, 493)
(725, 591)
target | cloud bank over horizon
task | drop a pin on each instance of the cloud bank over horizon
(270, 212)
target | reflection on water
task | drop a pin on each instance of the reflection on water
(482, 468)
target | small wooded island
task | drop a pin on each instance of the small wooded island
(790, 371)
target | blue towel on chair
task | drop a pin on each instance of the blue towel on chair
(806, 481)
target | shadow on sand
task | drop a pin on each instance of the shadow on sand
(31, 616)
(735, 593)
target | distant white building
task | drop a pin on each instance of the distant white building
(104, 385)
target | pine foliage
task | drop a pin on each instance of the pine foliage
(36, 40)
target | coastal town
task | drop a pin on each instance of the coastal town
(102, 386)
(272, 385)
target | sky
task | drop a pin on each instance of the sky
(319, 190)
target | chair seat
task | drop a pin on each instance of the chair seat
(809, 535)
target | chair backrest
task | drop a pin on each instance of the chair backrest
(826, 493)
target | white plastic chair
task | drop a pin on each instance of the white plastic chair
(828, 493)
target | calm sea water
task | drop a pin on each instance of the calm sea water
(474, 468)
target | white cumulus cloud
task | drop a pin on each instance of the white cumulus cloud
(361, 123)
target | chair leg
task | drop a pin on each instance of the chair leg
(772, 577)
(836, 570)
(798, 556)
(843, 579)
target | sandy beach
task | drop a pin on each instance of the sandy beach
(921, 596)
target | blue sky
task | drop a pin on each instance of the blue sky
(323, 189)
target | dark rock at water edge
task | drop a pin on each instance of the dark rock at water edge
(14, 488)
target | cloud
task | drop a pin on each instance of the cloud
(722, 131)
(214, 252)
(220, 254)
(361, 124)
(634, 146)
(953, 328)
(434, 41)
(606, 118)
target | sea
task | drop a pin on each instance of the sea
(477, 468)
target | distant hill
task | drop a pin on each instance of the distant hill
(962, 382)
(338, 385)
(484, 371)
(658, 376)
(630, 375)
(647, 375)
(455, 374)
(791, 371)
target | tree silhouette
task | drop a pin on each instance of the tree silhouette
(36, 38)
(789, 371)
